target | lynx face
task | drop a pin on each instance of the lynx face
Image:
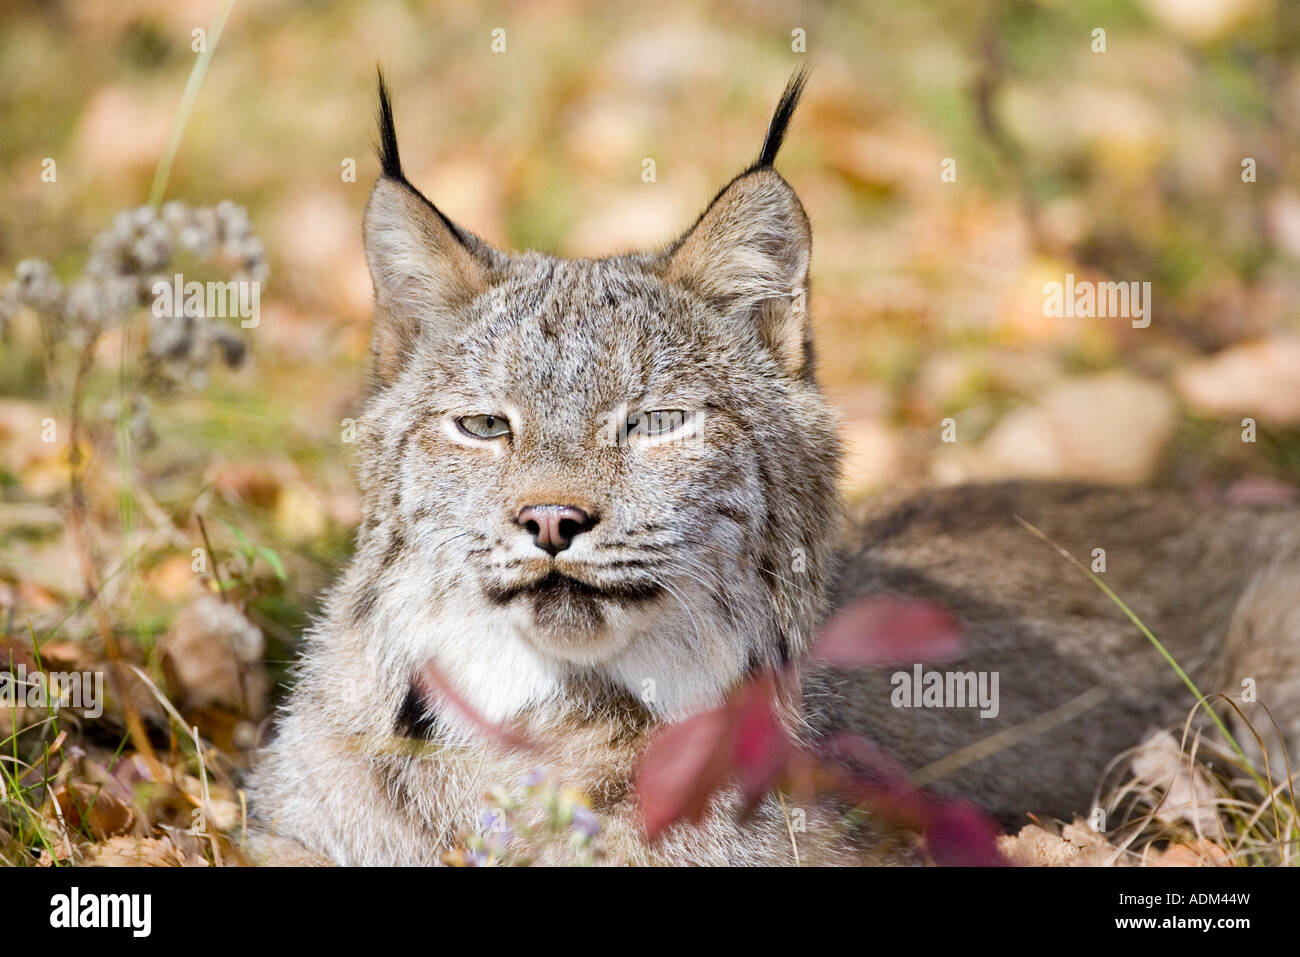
(619, 468)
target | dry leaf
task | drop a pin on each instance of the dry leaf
(1260, 379)
(92, 810)
(1110, 428)
(134, 852)
(212, 659)
(1197, 854)
(64, 655)
(1078, 845)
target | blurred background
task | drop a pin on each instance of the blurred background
(1162, 150)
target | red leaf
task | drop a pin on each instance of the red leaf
(681, 769)
(960, 835)
(869, 766)
(875, 632)
(687, 763)
(957, 833)
(762, 747)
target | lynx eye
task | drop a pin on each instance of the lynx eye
(483, 426)
(656, 422)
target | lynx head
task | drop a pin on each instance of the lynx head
(617, 469)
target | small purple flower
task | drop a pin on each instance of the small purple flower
(585, 822)
(494, 828)
(533, 778)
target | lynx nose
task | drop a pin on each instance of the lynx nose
(554, 526)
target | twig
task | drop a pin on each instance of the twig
(212, 556)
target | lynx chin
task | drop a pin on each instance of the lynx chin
(583, 479)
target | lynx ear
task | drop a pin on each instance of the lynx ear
(748, 254)
(425, 268)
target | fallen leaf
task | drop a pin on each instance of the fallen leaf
(96, 811)
(211, 656)
(1259, 379)
(1108, 428)
(1200, 853)
(134, 852)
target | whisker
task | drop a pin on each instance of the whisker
(699, 637)
(750, 563)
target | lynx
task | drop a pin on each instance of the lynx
(599, 493)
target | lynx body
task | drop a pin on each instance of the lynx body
(597, 494)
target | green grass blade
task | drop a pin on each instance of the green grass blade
(1164, 652)
(188, 98)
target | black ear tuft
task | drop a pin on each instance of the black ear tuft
(388, 158)
(391, 164)
(780, 119)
